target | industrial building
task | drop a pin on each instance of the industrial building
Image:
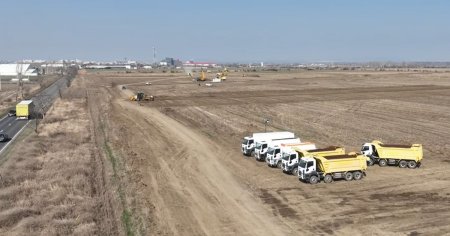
(14, 69)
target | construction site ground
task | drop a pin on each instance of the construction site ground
(184, 173)
(174, 167)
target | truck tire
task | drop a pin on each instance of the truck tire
(295, 171)
(279, 164)
(314, 179)
(348, 176)
(252, 154)
(382, 162)
(402, 164)
(370, 162)
(412, 164)
(327, 178)
(357, 175)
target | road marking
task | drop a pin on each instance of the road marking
(12, 139)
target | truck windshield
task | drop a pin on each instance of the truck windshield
(258, 145)
(286, 157)
(365, 148)
(302, 164)
(271, 151)
(264, 145)
(244, 141)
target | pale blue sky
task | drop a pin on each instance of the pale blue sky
(226, 31)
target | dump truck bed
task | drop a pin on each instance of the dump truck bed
(342, 163)
(404, 152)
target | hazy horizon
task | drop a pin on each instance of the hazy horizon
(279, 32)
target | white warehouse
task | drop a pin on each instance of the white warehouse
(13, 69)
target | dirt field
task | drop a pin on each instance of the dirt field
(183, 173)
(174, 167)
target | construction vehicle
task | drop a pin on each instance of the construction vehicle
(222, 75)
(262, 147)
(3, 137)
(275, 158)
(24, 109)
(249, 142)
(290, 161)
(393, 154)
(350, 166)
(140, 96)
(202, 76)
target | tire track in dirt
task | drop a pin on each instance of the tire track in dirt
(213, 199)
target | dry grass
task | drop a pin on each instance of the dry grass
(47, 185)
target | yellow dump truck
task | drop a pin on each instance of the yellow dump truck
(290, 161)
(24, 109)
(393, 154)
(348, 166)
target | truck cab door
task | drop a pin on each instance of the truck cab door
(310, 167)
(292, 159)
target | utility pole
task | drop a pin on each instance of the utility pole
(154, 55)
(266, 122)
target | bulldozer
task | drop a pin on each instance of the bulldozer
(140, 96)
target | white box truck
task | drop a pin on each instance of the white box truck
(262, 147)
(248, 143)
(287, 151)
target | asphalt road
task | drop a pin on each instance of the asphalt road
(12, 126)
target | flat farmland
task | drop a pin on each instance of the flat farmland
(183, 173)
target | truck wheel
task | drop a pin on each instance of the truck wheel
(295, 171)
(348, 176)
(252, 154)
(382, 162)
(370, 162)
(412, 164)
(279, 165)
(327, 178)
(357, 175)
(402, 164)
(314, 179)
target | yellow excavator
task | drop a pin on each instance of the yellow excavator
(140, 96)
(202, 76)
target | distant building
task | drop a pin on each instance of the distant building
(113, 66)
(199, 64)
(14, 69)
(168, 61)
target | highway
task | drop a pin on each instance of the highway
(12, 126)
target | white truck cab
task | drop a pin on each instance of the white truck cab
(291, 158)
(249, 143)
(248, 146)
(306, 167)
(262, 148)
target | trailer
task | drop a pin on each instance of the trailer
(393, 154)
(290, 162)
(350, 166)
(249, 142)
(24, 109)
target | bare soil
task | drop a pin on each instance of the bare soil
(105, 165)
(183, 173)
